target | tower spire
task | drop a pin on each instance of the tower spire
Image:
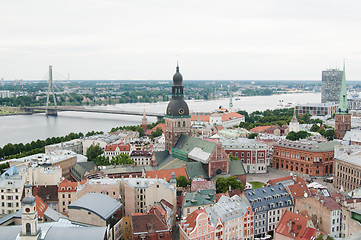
(343, 107)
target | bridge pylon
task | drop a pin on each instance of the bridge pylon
(51, 111)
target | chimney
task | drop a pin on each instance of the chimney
(289, 224)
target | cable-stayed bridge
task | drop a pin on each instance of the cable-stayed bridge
(53, 110)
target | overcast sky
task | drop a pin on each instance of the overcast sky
(214, 40)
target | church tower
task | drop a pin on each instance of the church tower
(342, 117)
(294, 124)
(177, 118)
(29, 216)
(144, 121)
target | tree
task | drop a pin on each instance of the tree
(329, 134)
(222, 184)
(252, 135)
(122, 159)
(233, 158)
(157, 132)
(93, 151)
(315, 128)
(182, 181)
(294, 136)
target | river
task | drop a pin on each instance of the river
(26, 128)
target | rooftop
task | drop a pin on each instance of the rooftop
(270, 197)
(90, 202)
(228, 208)
(309, 146)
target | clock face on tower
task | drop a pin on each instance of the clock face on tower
(181, 111)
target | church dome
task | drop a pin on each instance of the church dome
(177, 108)
(177, 78)
(29, 200)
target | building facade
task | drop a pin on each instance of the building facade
(325, 213)
(177, 117)
(331, 85)
(232, 218)
(254, 155)
(315, 159)
(138, 195)
(317, 109)
(347, 175)
(196, 226)
(268, 204)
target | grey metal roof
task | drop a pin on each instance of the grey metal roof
(76, 233)
(270, 197)
(9, 217)
(100, 204)
(309, 146)
(228, 208)
(53, 215)
(9, 232)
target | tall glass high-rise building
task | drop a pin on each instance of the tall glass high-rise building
(331, 85)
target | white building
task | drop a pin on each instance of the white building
(75, 145)
(98, 140)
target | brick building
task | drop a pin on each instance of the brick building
(315, 159)
(254, 155)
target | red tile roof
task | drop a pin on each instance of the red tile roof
(260, 129)
(202, 185)
(159, 125)
(166, 173)
(67, 186)
(191, 219)
(277, 180)
(299, 190)
(40, 206)
(329, 202)
(294, 226)
(203, 118)
(47, 193)
(121, 146)
(144, 223)
(219, 195)
(228, 116)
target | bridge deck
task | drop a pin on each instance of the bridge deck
(82, 109)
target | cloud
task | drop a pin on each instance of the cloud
(140, 39)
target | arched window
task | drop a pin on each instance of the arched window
(28, 229)
(184, 123)
(178, 124)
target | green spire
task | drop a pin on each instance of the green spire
(343, 107)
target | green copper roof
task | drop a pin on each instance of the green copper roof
(343, 107)
(199, 198)
(236, 168)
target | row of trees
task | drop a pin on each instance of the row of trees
(278, 117)
(22, 150)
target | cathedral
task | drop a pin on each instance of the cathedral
(177, 117)
(179, 142)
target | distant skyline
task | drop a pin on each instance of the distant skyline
(214, 40)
